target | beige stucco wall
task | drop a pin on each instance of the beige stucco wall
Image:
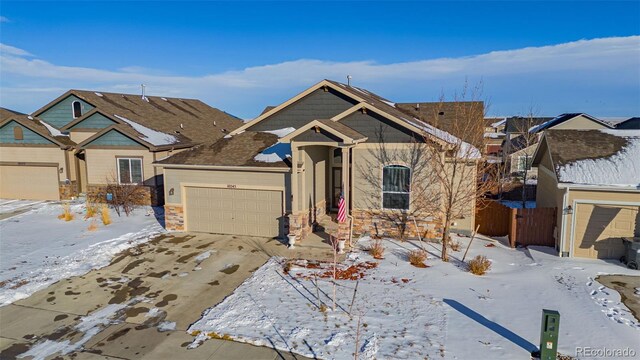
(101, 164)
(605, 197)
(363, 157)
(579, 123)
(38, 154)
(80, 136)
(175, 178)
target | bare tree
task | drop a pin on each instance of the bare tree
(526, 127)
(461, 170)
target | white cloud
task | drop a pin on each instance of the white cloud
(599, 71)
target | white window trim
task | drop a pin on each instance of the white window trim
(73, 112)
(395, 192)
(519, 162)
(130, 172)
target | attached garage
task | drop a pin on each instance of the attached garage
(598, 229)
(252, 212)
(29, 181)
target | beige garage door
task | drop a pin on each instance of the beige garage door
(234, 211)
(29, 182)
(599, 229)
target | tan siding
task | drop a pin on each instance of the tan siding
(101, 164)
(315, 163)
(547, 190)
(29, 182)
(174, 178)
(36, 154)
(80, 136)
(579, 122)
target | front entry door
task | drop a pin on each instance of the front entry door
(336, 186)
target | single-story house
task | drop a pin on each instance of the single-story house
(592, 177)
(629, 124)
(117, 136)
(35, 159)
(281, 172)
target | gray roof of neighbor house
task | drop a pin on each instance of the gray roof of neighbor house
(36, 125)
(519, 124)
(237, 150)
(629, 124)
(562, 118)
(190, 120)
(611, 156)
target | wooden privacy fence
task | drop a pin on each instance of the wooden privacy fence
(524, 226)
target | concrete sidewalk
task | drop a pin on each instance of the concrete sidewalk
(167, 275)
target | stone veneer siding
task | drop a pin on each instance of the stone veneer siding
(68, 190)
(301, 223)
(374, 222)
(153, 194)
(174, 217)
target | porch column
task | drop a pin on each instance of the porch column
(294, 178)
(345, 176)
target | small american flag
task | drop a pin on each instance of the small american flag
(342, 210)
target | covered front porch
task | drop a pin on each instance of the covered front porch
(321, 172)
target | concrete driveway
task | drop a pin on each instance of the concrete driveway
(167, 274)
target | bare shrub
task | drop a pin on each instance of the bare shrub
(92, 210)
(417, 257)
(93, 226)
(124, 197)
(105, 214)
(66, 214)
(454, 245)
(479, 265)
(376, 249)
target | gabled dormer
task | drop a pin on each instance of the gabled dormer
(64, 110)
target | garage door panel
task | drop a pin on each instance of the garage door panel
(29, 182)
(233, 211)
(599, 229)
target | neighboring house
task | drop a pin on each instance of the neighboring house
(35, 159)
(516, 126)
(281, 172)
(494, 135)
(629, 124)
(592, 177)
(119, 136)
(525, 133)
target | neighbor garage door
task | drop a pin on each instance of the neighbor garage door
(599, 229)
(29, 182)
(234, 211)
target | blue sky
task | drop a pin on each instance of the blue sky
(241, 56)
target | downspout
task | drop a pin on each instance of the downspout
(350, 177)
(565, 199)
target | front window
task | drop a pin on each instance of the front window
(524, 162)
(129, 171)
(396, 181)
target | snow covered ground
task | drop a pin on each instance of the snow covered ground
(38, 249)
(440, 311)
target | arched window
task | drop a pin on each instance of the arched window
(17, 133)
(396, 186)
(76, 107)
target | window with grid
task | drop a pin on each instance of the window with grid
(396, 187)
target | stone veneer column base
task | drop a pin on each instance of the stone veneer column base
(374, 222)
(174, 217)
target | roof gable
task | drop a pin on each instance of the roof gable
(28, 136)
(60, 111)
(325, 130)
(95, 121)
(562, 121)
(113, 136)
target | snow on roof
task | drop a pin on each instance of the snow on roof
(281, 132)
(98, 94)
(466, 150)
(149, 135)
(53, 131)
(620, 169)
(494, 135)
(535, 128)
(274, 153)
(499, 123)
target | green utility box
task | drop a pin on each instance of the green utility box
(549, 334)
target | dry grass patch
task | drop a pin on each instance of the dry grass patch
(417, 258)
(479, 265)
(66, 213)
(93, 226)
(454, 245)
(376, 249)
(105, 215)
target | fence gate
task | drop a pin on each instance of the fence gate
(532, 227)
